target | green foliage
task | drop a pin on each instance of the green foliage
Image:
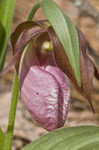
(6, 15)
(66, 33)
(33, 11)
(74, 138)
(2, 136)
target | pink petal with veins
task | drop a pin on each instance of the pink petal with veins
(46, 96)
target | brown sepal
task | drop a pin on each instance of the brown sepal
(95, 59)
(86, 66)
(22, 35)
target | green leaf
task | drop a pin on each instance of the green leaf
(6, 15)
(14, 100)
(33, 11)
(66, 33)
(2, 40)
(2, 136)
(73, 138)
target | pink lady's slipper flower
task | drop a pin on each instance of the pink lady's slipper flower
(41, 62)
(43, 86)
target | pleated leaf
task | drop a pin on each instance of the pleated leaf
(73, 138)
(66, 33)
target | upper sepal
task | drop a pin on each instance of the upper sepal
(25, 32)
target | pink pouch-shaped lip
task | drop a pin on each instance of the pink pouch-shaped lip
(46, 96)
(44, 90)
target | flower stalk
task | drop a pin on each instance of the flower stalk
(12, 114)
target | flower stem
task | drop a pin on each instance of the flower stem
(15, 93)
(12, 113)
